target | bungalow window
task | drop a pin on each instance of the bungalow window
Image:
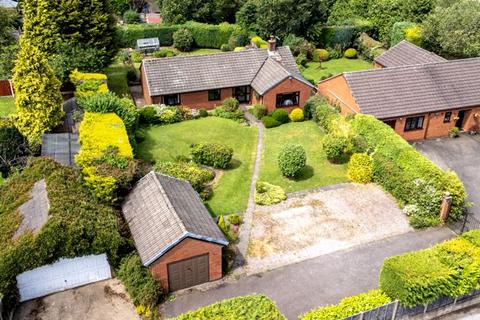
(214, 95)
(288, 99)
(414, 123)
(171, 99)
(448, 116)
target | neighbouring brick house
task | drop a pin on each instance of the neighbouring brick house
(270, 77)
(175, 235)
(420, 101)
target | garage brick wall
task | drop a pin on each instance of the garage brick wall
(336, 91)
(186, 249)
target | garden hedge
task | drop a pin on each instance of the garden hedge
(360, 168)
(204, 35)
(212, 154)
(448, 269)
(78, 225)
(349, 306)
(408, 175)
(257, 307)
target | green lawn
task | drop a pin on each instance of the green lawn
(7, 106)
(334, 67)
(319, 172)
(165, 143)
(117, 78)
(199, 51)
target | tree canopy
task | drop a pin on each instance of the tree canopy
(207, 11)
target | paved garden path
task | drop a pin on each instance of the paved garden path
(316, 282)
(246, 227)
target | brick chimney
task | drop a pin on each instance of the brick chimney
(272, 44)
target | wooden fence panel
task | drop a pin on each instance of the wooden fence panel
(5, 88)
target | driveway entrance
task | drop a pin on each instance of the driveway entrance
(461, 155)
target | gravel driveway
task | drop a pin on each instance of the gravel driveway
(322, 222)
(97, 301)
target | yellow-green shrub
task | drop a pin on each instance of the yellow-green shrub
(259, 42)
(77, 77)
(296, 115)
(360, 168)
(267, 194)
(98, 131)
(88, 83)
(414, 35)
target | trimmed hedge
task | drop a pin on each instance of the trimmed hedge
(349, 306)
(408, 175)
(204, 35)
(292, 159)
(142, 288)
(281, 115)
(448, 269)
(336, 148)
(267, 194)
(270, 122)
(257, 307)
(78, 225)
(212, 154)
(331, 36)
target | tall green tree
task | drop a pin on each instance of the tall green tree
(454, 31)
(8, 19)
(86, 23)
(38, 99)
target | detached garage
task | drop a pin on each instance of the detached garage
(175, 235)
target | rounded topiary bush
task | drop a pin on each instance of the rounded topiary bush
(292, 160)
(320, 55)
(350, 53)
(267, 194)
(270, 122)
(281, 115)
(335, 148)
(360, 168)
(296, 115)
(230, 104)
(183, 40)
(212, 154)
(203, 113)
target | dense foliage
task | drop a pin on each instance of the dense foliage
(399, 32)
(38, 100)
(241, 308)
(212, 154)
(47, 23)
(296, 115)
(449, 269)
(259, 111)
(8, 21)
(453, 30)
(280, 115)
(14, 148)
(267, 194)
(204, 35)
(349, 306)
(360, 168)
(270, 122)
(183, 40)
(142, 288)
(78, 225)
(208, 11)
(291, 160)
(336, 148)
(407, 175)
(197, 176)
(8, 54)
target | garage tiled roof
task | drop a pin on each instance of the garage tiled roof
(161, 211)
(399, 91)
(214, 71)
(405, 53)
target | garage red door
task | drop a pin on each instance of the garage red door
(189, 272)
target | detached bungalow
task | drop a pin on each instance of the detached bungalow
(420, 101)
(270, 77)
(175, 235)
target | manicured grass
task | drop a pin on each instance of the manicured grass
(230, 194)
(334, 67)
(117, 78)
(318, 172)
(199, 51)
(7, 106)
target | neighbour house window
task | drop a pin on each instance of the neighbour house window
(414, 123)
(288, 99)
(214, 95)
(171, 99)
(448, 116)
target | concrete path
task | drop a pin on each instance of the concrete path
(244, 235)
(317, 282)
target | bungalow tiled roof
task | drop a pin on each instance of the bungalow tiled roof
(161, 211)
(405, 53)
(399, 91)
(222, 70)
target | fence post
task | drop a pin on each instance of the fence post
(446, 205)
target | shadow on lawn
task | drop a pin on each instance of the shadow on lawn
(305, 174)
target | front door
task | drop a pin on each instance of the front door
(461, 119)
(242, 94)
(187, 273)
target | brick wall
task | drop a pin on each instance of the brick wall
(288, 85)
(336, 90)
(186, 249)
(199, 99)
(146, 95)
